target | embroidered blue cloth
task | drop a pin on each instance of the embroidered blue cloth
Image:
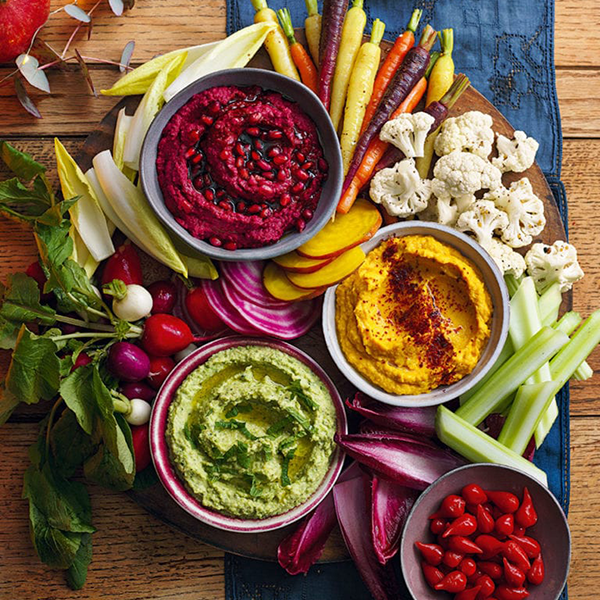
(506, 48)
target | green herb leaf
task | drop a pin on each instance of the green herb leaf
(285, 465)
(296, 390)
(277, 427)
(13, 191)
(34, 370)
(78, 392)
(20, 163)
(21, 302)
(77, 572)
(239, 425)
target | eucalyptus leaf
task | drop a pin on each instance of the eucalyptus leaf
(20, 163)
(117, 7)
(29, 67)
(24, 99)
(77, 13)
(126, 55)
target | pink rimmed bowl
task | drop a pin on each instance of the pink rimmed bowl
(160, 449)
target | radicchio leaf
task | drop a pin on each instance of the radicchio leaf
(390, 505)
(25, 100)
(126, 55)
(29, 67)
(303, 548)
(352, 510)
(77, 13)
(400, 458)
(416, 420)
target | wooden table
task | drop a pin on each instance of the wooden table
(136, 556)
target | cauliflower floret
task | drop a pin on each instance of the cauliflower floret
(443, 211)
(524, 209)
(460, 174)
(471, 132)
(508, 261)
(547, 264)
(483, 219)
(400, 189)
(408, 132)
(517, 154)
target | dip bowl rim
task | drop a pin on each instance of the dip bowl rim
(309, 103)
(554, 537)
(172, 482)
(494, 282)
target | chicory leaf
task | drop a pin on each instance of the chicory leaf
(77, 572)
(20, 163)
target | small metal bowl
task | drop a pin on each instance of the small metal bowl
(173, 483)
(494, 282)
(267, 80)
(551, 530)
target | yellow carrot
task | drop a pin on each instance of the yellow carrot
(360, 90)
(276, 42)
(352, 34)
(312, 29)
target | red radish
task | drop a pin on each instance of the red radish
(202, 312)
(165, 335)
(334, 12)
(164, 295)
(125, 265)
(410, 72)
(160, 367)
(35, 271)
(19, 20)
(81, 360)
(247, 279)
(141, 446)
(138, 389)
(128, 362)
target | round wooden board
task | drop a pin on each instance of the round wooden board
(264, 546)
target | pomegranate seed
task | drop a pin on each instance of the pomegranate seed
(307, 214)
(198, 158)
(230, 246)
(281, 175)
(209, 194)
(224, 205)
(207, 179)
(207, 120)
(263, 205)
(263, 164)
(306, 166)
(220, 193)
(239, 149)
(280, 159)
(190, 153)
(244, 173)
(250, 164)
(255, 155)
(258, 145)
(300, 224)
(223, 154)
(298, 187)
(265, 189)
(265, 212)
(215, 241)
(285, 199)
(199, 182)
(253, 131)
(275, 134)
(323, 165)
(239, 161)
(275, 151)
(301, 158)
(214, 107)
(255, 208)
(194, 135)
(186, 206)
(254, 118)
(269, 175)
(302, 175)
(241, 207)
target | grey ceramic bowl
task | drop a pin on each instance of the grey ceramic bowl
(551, 530)
(494, 282)
(268, 80)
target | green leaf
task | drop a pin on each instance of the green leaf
(77, 572)
(22, 302)
(20, 163)
(145, 479)
(8, 403)
(78, 392)
(34, 370)
(12, 190)
(9, 332)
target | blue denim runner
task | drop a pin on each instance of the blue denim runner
(506, 48)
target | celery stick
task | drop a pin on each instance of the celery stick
(568, 323)
(583, 372)
(505, 354)
(549, 304)
(477, 446)
(528, 408)
(522, 364)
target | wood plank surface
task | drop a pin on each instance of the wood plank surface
(136, 556)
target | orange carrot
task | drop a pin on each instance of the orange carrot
(377, 149)
(302, 59)
(391, 64)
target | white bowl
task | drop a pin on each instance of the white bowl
(494, 282)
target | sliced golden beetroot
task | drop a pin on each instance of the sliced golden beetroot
(280, 287)
(345, 232)
(335, 271)
(292, 261)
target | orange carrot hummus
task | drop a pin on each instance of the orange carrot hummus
(414, 316)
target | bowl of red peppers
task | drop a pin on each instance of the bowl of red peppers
(486, 532)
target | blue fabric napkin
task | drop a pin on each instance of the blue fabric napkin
(506, 48)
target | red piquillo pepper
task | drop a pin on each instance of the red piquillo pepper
(452, 506)
(505, 525)
(516, 555)
(468, 566)
(464, 525)
(431, 553)
(505, 501)
(485, 521)
(432, 574)
(513, 575)
(437, 526)
(474, 494)
(487, 586)
(454, 582)
(452, 559)
(470, 594)
(491, 546)
(494, 570)
(463, 545)
(503, 592)
(529, 545)
(535, 575)
(526, 516)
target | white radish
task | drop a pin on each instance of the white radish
(140, 412)
(136, 304)
(185, 352)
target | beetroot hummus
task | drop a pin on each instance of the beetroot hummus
(240, 166)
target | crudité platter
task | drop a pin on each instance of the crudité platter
(464, 298)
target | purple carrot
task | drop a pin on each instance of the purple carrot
(415, 465)
(417, 420)
(390, 505)
(352, 510)
(410, 72)
(303, 548)
(334, 12)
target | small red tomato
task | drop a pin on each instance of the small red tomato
(505, 525)
(160, 367)
(505, 501)
(202, 312)
(141, 446)
(453, 506)
(474, 494)
(535, 575)
(452, 559)
(468, 566)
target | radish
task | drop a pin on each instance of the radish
(160, 367)
(128, 362)
(165, 335)
(334, 12)
(140, 436)
(410, 72)
(164, 295)
(140, 412)
(134, 305)
(137, 389)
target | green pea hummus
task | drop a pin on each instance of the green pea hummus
(251, 432)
